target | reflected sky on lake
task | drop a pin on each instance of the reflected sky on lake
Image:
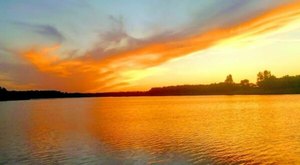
(152, 130)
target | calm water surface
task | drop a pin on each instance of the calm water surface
(152, 130)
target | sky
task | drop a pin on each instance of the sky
(117, 45)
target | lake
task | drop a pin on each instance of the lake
(152, 130)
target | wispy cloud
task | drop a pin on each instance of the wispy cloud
(47, 31)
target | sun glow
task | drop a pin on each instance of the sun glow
(138, 62)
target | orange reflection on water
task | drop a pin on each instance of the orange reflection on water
(225, 129)
(52, 127)
(215, 129)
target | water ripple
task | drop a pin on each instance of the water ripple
(152, 130)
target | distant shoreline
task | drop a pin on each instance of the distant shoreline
(59, 95)
(267, 84)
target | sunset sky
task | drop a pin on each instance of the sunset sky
(118, 45)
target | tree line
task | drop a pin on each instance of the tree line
(266, 84)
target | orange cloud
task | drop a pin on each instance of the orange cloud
(106, 74)
(70, 75)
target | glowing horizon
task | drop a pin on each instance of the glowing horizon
(188, 42)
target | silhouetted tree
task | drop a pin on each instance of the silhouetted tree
(229, 79)
(261, 76)
(245, 82)
(265, 79)
(2, 89)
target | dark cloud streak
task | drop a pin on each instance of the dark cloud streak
(43, 30)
